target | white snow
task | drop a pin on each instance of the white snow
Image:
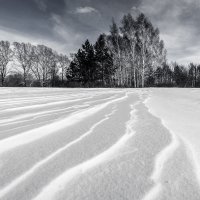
(180, 111)
(77, 144)
(35, 134)
(17, 181)
(56, 185)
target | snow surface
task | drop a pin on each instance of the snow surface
(111, 144)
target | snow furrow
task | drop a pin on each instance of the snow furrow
(134, 144)
(53, 188)
(44, 104)
(30, 171)
(160, 161)
(15, 119)
(35, 134)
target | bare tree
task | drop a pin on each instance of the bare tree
(36, 67)
(64, 62)
(115, 44)
(53, 66)
(6, 54)
(128, 30)
(24, 55)
(46, 61)
(137, 51)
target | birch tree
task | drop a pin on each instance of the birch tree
(128, 30)
(64, 62)
(6, 55)
(46, 64)
(115, 42)
(24, 55)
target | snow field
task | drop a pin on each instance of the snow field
(97, 144)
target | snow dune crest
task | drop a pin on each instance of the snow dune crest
(192, 155)
(112, 144)
(160, 160)
(180, 117)
(35, 134)
(30, 171)
(58, 184)
(24, 117)
(163, 156)
(153, 193)
(44, 104)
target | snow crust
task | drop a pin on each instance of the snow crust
(76, 144)
(180, 111)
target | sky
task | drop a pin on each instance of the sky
(65, 24)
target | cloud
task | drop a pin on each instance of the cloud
(135, 11)
(179, 23)
(69, 37)
(85, 10)
(11, 35)
(56, 19)
(41, 5)
(65, 24)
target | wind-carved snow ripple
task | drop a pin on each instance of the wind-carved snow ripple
(35, 134)
(160, 160)
(30, 171)
(53, 188)
(16, 123)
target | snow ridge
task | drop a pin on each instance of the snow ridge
(18, 180)
(35, 134)
(160, 161)
(58, 184)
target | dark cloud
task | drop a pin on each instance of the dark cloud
(41, 5)
(65, 24)
(179, 22)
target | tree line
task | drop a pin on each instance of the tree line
(176, 75)
(130, 55)
(23, 64)
(126, 57)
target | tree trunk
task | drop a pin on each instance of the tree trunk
(2, 80)
(143, 73)
(24, 76)
(134, 76)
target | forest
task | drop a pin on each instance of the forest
(131, 55)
